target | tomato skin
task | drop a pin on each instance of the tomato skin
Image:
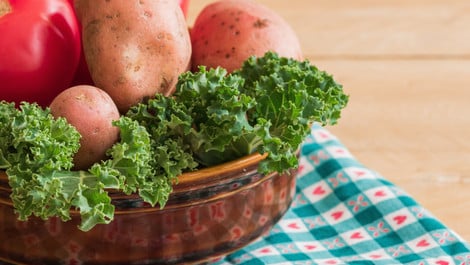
(184, 4)
(39, 50)
(82, 75)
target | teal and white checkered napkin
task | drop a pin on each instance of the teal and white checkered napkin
(345, 213)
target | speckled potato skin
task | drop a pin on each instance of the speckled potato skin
(226, 33)
(136, 48)
(91, 111)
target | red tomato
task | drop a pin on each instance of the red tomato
(184, 4)
(39, 49)
(82, 76)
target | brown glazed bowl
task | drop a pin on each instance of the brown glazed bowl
(211, 212)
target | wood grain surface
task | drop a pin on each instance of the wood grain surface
(406, 66)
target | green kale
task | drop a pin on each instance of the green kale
(267, 106)
(165, 120)
(37, 151)
(220, 129)
(290, 96)
(33, 148)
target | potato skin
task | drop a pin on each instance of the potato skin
(225, 33)
(91, 111)
(136, 48)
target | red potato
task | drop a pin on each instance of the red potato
(134, 49)
(91, 111)
(227, 32)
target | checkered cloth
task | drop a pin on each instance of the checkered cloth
(345, 213)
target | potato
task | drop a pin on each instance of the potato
(91, 111)
(227, 32)
(134, 49)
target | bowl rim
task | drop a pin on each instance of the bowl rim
(196, 176)
(234, 165)
(188, 181)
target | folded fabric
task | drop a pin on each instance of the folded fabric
(345, 213)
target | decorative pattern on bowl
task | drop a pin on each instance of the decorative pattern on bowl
(210, 213)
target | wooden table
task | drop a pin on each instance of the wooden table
(406, 66)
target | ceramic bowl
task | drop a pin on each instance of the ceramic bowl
(211, 212)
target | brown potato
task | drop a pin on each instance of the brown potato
(227, 32)
(91, 111)
(134, 49)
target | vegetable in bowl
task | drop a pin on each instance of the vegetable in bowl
(267, 106)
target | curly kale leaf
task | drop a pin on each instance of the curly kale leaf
(166, 122)
(37, 151)
(34, 147)
(36, 142)
(279, 80)
(7, 112)
(290, 96)
(267, 106)
(221, 131)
